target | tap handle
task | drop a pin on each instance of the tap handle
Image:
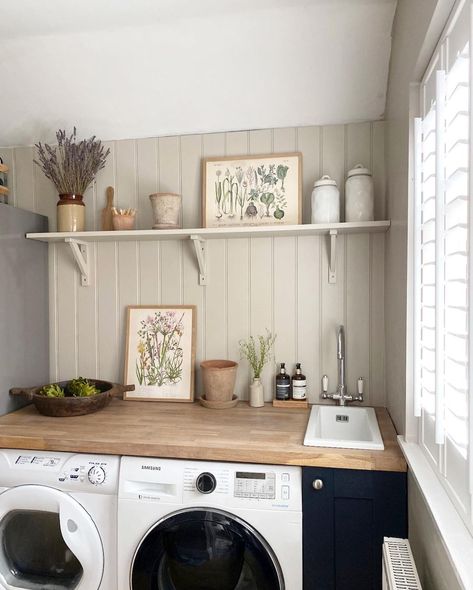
(360, 385)
(324, 383)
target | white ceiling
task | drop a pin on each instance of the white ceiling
(137, 68)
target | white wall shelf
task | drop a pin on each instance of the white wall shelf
(78, 241)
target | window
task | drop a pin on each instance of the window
(443, 340)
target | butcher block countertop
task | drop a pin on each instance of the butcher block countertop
(189, 431)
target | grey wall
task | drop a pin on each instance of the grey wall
(416, 28)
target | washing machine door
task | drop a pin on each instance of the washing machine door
(47, 540)
(204, 549)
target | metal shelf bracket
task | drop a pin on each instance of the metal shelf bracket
(200, 246)
(332, 269)
(80, 251)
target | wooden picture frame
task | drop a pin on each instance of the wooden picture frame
(160, 352)
(252, 190)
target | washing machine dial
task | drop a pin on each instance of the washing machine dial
(96, 475)
(206, 483)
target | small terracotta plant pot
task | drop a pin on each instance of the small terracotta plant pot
(219, 377)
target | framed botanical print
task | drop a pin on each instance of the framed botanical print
(160, 352)
(252, 190)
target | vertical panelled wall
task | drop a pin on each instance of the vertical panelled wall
(254, 284)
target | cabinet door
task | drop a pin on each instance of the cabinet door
(344, 523)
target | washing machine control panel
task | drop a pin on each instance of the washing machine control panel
(250, 484)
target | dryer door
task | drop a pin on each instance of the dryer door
(204, 549)
(47, 540)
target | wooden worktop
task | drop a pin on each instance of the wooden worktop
(189, 431)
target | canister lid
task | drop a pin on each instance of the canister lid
(358, 170)
(325, 181)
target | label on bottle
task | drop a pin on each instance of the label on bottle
(282, 390)
(299, 389)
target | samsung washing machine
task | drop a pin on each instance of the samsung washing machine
(57, 521)
(192, 525)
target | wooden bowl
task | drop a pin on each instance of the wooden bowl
(72, 406)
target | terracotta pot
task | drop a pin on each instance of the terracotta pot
(166, 210)
(218, 377)
(70, 213)
(123, 222)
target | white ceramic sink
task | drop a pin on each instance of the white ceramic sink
(343, 427)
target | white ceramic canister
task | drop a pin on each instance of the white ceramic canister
(325, 201)
(359, 195)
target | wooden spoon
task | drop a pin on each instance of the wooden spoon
(107, 211)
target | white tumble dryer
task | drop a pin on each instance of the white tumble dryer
(193, 525)
(57, 521)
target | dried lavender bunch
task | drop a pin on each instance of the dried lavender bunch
(71, 165)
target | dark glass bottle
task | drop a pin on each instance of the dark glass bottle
(283, 384)
(299, 384)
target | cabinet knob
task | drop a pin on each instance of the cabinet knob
(317, 484)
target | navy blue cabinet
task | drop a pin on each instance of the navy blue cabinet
(344, 522)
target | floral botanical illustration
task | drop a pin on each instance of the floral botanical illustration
(252, 191)
(160, 354)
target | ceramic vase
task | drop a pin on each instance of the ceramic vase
(70, 213)
(218, 377)
(166, 210)
(256, 393)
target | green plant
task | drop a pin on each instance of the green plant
(52, 390)
(81, 387)
(218, 193)
(267, 199)
(281, 172)
(258, 351)
(71, 165)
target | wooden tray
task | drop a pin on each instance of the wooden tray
(72, 406)
(291, 404)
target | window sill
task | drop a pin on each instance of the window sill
(453, 532)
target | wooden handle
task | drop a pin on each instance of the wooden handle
(23, 391)
(110, 194)
(118, 390)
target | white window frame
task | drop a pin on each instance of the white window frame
(456, 534)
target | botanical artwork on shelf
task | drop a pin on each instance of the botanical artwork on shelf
(251, 190)
(160, 352)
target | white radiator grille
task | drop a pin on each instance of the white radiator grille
(399, 570)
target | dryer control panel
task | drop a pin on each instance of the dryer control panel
(67, 471)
